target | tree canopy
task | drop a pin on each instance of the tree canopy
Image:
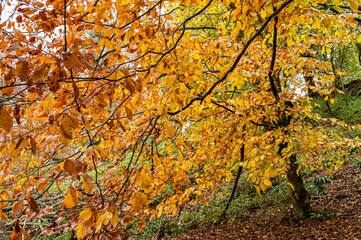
(139, 107)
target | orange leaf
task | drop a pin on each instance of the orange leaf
(41, 73)
(6, 120)
(75, 61)
(22, 71)
(3, 215)
(129, 113)
(69, 166)
(8, 90)
(33, 145)
(16, 114)
(76, 90)
(25, 234)
(128, 84)
(18, 207)
(16, 233)
(19, 34)
(32, 203)
(32, 96)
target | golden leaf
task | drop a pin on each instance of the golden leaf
(65, 136)
(32, 96)
(138, 201)
(8, 90)
(353, 5)
(85, 215)
(80, 232)
(114, 218)
(168, 17)
(71, 199)
(144, 181)
(171, 80)
(169, 129)
(102, 219)
(87, 180)
(267, 182)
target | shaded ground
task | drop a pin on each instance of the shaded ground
(338, 216)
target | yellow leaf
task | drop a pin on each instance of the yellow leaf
(197, 57)
(267, 183)
(138, 201)
(160, 211)
(353, 5)
(80, 232)
(262, 186)
(114, 218)
(161, 110)
(87, 185)
(263, 14)
(358, 39)
(144, 181)
(327, 23)
(102, 219)
(293, 188)
(71, 199)
(85, 215)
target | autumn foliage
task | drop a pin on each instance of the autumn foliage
(129, 110)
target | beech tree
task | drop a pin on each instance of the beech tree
(120, 101)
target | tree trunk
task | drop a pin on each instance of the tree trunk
(310, 83)
(299, 195)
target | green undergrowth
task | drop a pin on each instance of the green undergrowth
(245, 202)
(346, 107)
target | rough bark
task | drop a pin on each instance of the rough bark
(299, 195)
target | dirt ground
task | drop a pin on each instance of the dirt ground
(339, 216)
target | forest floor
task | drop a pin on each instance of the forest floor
(337, 216)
